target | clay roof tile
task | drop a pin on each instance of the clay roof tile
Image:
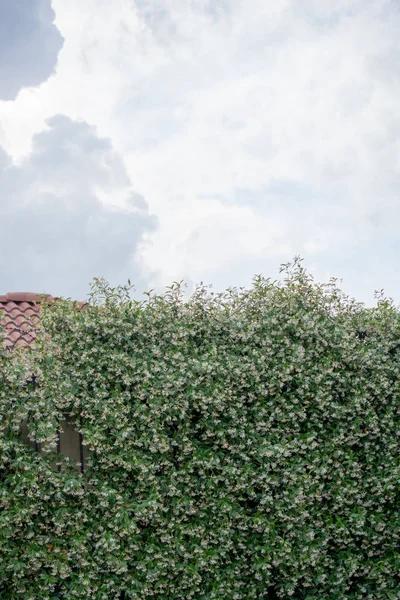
(21, 314)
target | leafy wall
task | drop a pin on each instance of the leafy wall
(242, 445)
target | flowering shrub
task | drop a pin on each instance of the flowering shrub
(243, 445)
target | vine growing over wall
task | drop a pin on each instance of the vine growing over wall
(243, 445)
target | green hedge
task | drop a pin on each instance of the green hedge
(243, 445)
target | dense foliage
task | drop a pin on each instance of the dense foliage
(243, 445)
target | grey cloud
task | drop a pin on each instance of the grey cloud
(29, 45)
(56, 234)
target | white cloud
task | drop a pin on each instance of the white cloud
(256, 130)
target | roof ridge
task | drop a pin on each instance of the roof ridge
(25, 297)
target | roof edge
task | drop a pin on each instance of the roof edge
(25, 297)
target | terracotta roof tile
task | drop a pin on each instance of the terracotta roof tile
(21, 314)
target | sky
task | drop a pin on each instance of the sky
(204, 141)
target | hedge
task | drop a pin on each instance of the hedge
(243, 445)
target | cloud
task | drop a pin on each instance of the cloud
(255, 130)
(56, 233)
(288, 115)
(29, 45)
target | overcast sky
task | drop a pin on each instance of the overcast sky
(204, 140)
